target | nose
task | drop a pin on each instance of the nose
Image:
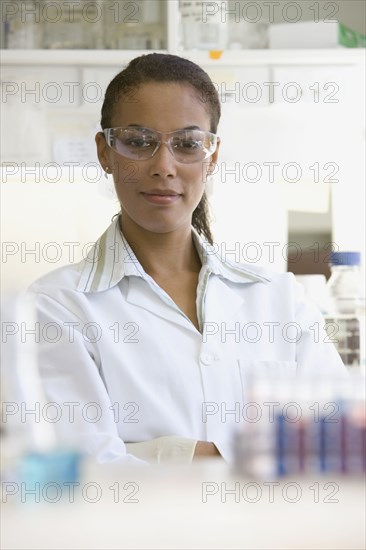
(163, 163)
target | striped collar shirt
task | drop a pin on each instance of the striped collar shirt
(112, 258)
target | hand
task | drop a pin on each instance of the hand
(205, 449)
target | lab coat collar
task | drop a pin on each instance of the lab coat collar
(111, 258)
(222, 267)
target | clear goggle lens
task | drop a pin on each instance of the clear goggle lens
(186, 146)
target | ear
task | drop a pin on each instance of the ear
(216, 153)
(102, 150)
(214, 158)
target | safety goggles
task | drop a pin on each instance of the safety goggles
(186, 146)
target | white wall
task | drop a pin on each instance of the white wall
(39, 219)
(304, 132)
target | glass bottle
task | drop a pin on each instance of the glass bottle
(248, 25)
(346, 316)
(21, 26)
(346, 286)
(68, 25)
(204, 24)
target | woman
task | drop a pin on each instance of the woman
(157, 330)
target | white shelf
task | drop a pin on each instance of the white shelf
(341, 56)
(234, 58)
(70, 57)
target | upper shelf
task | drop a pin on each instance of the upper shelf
(338, 56)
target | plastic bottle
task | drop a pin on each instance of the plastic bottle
(346, 316)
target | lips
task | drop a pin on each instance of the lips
(161, 192)
(161, 196)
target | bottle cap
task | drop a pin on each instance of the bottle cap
(345, 258)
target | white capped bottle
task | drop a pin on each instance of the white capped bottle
(346, 316)
(346, 285)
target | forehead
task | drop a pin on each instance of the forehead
(164, 106)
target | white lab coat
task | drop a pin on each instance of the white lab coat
(131, 367)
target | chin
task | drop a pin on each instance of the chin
(165, 226)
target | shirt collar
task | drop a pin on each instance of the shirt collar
(111, 258)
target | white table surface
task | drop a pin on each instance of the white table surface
(170, 512)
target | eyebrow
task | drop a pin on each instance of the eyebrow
(185, 128)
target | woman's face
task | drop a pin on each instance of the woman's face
(164, 107)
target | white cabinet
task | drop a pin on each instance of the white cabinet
(172, 25)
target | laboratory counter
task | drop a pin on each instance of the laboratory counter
(203, 505)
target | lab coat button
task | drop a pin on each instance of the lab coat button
(206, 358)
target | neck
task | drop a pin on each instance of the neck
(162, 253)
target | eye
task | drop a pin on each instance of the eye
(140, 142)
(134, 138)
(190, 144)
(187, 142)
